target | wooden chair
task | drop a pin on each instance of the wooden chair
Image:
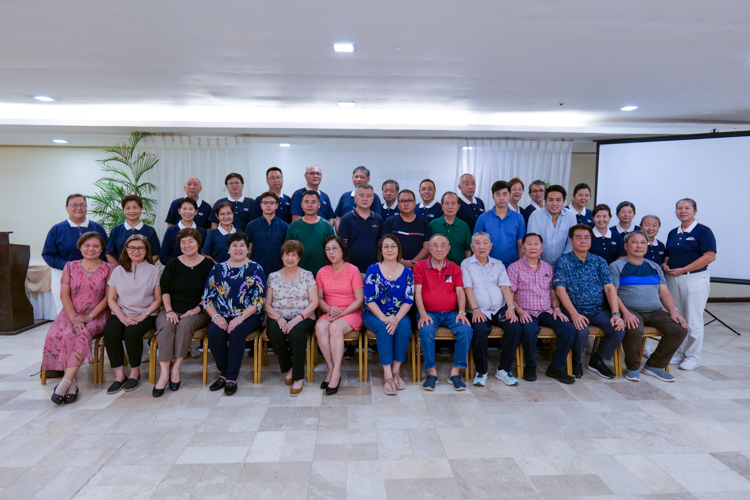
(442, 333)
(99, 346)
(355, 336)
(261, 346)
(650, 332)
(545, 333)
(598, 334)
(370, 335)
(200, 335)
(97, 339)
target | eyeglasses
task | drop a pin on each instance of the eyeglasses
(136, 249)
(276, 178)
(77, 205)
(332, 249)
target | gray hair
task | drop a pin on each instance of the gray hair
(651, 216)
(461, 179)
(439, 235)
(364, 186)
(689, 200)
(448, 193)
(630, 235)
(479, 233)
(391, 181)
(362, 168)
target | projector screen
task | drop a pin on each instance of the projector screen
(711, 169)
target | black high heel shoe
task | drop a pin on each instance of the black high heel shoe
(324, 385)
(58, 399)
(330, 391)
(157, 393)
(174, 385)
(71, 398)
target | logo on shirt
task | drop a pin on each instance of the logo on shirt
(690, 239)
(449, 278)
(246, 209)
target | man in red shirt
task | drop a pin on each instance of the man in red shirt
(440, 299)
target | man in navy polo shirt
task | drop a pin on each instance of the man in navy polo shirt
(362, 228)
(347, 202)
(471, 207)
(430, 209)
(412, 231)
(192, 189)
(581, 279)
(505, 226)
(313, 176)
(241, 205)
(390, 199)
(441, 301)
(266, 235)
(275, 181)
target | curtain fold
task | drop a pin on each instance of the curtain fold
(490, 160)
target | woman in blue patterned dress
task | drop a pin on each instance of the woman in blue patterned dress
(389, 294)
(233, 299)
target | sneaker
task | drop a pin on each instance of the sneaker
(430, 382)
(677, 359)
(633, 375)
(559, 375)
(597, 366)
(689, 364)
(349, 351)
(659, 373)
(529, 373)
(480, 379)
(577, 370)
(456, 382)
(506, 377)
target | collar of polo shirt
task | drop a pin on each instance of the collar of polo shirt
(392, 207)
(573, 208)
(241, 199)
(465, 199)
(128, 227)
(537, 206)
(432, 204)
(689, 228)
(597, 234)
(85, 223)
(224, 232)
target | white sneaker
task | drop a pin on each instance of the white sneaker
(506, 377)
(480, 379)
(689, 364)
(676, 360)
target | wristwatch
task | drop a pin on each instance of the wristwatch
(617, 314)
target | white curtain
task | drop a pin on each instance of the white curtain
(209, 158)
(490, 160)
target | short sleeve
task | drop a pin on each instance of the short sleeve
(409, 292)
(114, 278)
(330, 231)
(344, 230)
(249, 232)
(371, 278)
(561, 273)
(356, 277)
(419, 277)
(111, 243)
(387, 226)
(513, 277)
(172, 216)
(340, 207)
(479, 226)
(166, 279)
(65, 279)
(604, 273)
(153, 240)
(458, 280)
(521, 228)
(614, 272)
(502, 279)
(662, 279)
(427, 231)
(468, 282)
(707, 241)
(307, 278)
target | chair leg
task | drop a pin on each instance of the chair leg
(361, 354)
(205, 360)
(570, 363)
(413, 355)
(367, 360)
(418, 367)
(43, 377)
(264, 346)
(152, 362)
(95, 375)
(101, 361)
(519, 361)
(257, 367)
(617, 358)
(470, 364)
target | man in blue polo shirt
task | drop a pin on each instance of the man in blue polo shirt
(505, 227)
(581, 279)
(313, 177)
(347, 202)
(362, 228)
(412, 231)
(390, 199)
(471, 207)
(241, 205)
(553, 223)
(275, 181)
(192, 189)
(430, 209)
(642, 291)
(266, 234)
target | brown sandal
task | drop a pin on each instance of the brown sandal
(396, 379)
(389, 381)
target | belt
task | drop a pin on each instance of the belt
(698, 271)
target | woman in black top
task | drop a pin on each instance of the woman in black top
(182, 292)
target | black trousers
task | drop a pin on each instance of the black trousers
(114, 334)
(511, 339)
(291, 348)
(229, 348)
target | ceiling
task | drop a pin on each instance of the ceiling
(422, 68)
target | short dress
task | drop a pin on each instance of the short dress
(338, 289)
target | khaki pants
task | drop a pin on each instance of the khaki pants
(173, 340)
(672, 335)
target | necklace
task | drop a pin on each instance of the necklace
(389, 271)
(83, 265)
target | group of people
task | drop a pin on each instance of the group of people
(393, 266)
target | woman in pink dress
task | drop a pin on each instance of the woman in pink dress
(85, 312)
(340, 296)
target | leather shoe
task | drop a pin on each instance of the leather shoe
(71, 398)
(157, 393)
(218, 385)
(529, 373)
(324, 385)
(559, 375)
(230, 388)
(174, 385)
(330, 391)
(288, 382)
(131, 384)
(58, 399)
(295, 392)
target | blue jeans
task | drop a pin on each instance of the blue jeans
(390, 347)
(565, 333)
(509, 342)
(607, 346)
(461, 331)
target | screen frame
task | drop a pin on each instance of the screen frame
(664, 138)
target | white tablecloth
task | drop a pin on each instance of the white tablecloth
(42, 301)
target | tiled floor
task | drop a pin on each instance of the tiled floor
(593, 439)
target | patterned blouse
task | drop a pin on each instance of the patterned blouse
(290, 298)
(389, 295)
(231, 290)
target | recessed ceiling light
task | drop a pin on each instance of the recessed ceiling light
(285, 145)
(59, 141)
(43, 98)
(346, 104)
(466, 148)
(629, 108)
(343, 47)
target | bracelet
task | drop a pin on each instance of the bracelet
(302, 316)
(214, 316)
(511, 306)
(556, 307)
(169, 311)
(673, 308)
(91, 316)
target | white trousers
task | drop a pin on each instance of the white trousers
(55, 289)
(690, 292)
